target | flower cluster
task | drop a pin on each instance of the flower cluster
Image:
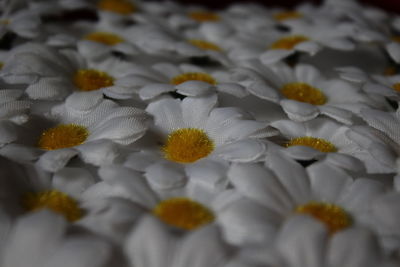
(151, 134)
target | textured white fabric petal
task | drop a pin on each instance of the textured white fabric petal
(50, 88)
(241, 151)
(245, 222)
(303, 152)
(33, 239)
(154, 89)
(150, 244)
(165, 175)
(73, 181)
(83, 101)
(195, 111)
(355, 247)
(338, 114)
(385, 211)
(8, 132)
(260, 184)
(194, 88)
(299, 111)
(233, 89)
(55, 160)
(167, 115)
(301, 242)
(99, 152)
(394, 51)
(263, 91)
(309, 47)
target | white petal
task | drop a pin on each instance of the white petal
(165, 175)
(8, 132)
(275, 55)
(299, 111)
(394, 51)
(55, 160)
(233, 89)
(355, 247)
(50, 88)
(154, 89)
(150, 244)
(73, 181)
(83, 101)
(167, 114)
(247, 150)
(302, 241)
(260, 184)
(195, 111)
(194, 88)
(386, 213)
(309, 47)
(303, 152)
(263, 91)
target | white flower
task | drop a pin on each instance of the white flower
(303, 242)
(41, 239)
(302, 91)
(53, 75)
(88, 125)
(285, 188)
(24, 23)
(185, 79)
(321, 137)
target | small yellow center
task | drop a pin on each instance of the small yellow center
(204, 45)
(390, 71)
(4, 21)
(104, 38)
(396, 39)
(204, 16)
(193, 76)
(316, 143)
(89, 79)
(63, 136)
(122, 7)
(285, 15)
(334, 217)
(303, 92)
(55, 201)
(1, 65)
(396, 87)
(187, 145)
(288, 42)
(183, 213)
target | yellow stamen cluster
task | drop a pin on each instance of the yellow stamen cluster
(183, 213)
(316, 143)
(288, 42)
(187, 145)
(122, 7)
(334, 217)
(89, 79)
(55, 201)
(285, 15)
(193, 76)
(63, 136)
(396, 87)
(204, 16)
(205, 45)
(396, 39)
(104, 38)
(303, 92)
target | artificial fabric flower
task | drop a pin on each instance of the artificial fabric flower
(53, 75)
(284, 188)
(88, 125)
(321, 137)
(185, 79)
(303, 92)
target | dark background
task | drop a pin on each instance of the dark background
(388, 5)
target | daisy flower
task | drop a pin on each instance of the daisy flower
(57, 247)
(303, 242)
(152, 244)
(320, 138)
(53, 75)
(24, 23)
(303, 92)
(86, 124)
(187, 80)
(285, 188)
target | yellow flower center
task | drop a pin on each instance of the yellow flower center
(187, 145)
(54, 200)
(396, 87)
(183, 213)
(104, 38)
(63, 136)
(288, 42)
(193, 76)
(316, 143)
(285, 15)
(89, 80)
(204, 45)
(204, 16)
(396, 39)
(122, 7)
(4, 21)
(390, 71)
(334, 217)
(303, 92)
